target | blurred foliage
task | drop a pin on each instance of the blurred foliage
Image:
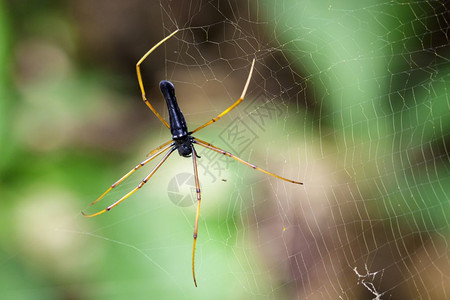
(386, 118)
(6, 93)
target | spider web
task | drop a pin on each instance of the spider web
(352, 99)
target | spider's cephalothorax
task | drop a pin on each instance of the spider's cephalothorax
(178, 127)
(184, 146)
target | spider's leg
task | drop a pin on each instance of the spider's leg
(214, 148)
(139, 76)
(233, 105)
(199, 200)
(160, 147)
(154, 153)
(144, 181)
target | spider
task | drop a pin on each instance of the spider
(182, 140)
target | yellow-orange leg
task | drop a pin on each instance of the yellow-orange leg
(154, 153)
(144, 181)
(199, 201)
(160, 147)
(214, 148)
(233, 105)
(139, 76)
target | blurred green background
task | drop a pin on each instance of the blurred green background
(360, 96)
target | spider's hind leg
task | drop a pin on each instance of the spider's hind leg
(139, 76)
(232, 106)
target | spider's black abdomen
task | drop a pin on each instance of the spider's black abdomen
(178, 127)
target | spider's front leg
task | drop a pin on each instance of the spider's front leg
(144, 181)
(197, 215)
